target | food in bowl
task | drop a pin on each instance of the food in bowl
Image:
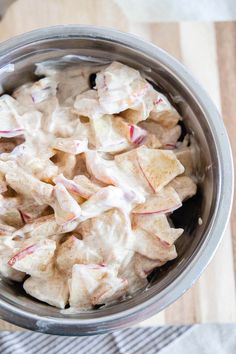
(91, 166)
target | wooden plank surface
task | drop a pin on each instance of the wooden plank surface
(209, 51)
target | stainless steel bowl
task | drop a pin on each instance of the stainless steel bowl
(212, 204)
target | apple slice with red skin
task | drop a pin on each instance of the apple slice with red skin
(151, 247)
(39, 228)
(165, 201)
(109, 290)
(165, 135)
(131, 132)
(11, 133)
(94, 284)
(107, 137)
(184, 186)
(53, 290)
(186, 157)
(34, 259)
(66, 208)
(163, 112)
(143, 265)
(79, 186)
(22, 254)
(84, 281)
(158, 166)
(158, 225)
(129, 164)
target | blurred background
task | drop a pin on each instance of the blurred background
(202, 35)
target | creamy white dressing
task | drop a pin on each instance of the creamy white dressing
(86, 182)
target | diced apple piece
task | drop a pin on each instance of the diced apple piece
(163, 112)
(151, 247)
(165, 201)
(143, 266)
(109, 233)
(84, 281)
(9, 126)
(109, 290)
(71, 146)
(37, 94)
(128, 271)
(59, 120)
(107, 138)
(52, 290)
(166, 136)
(106, 198)
(86, 187)
(122, 126)
(42, 89)
(71, 187)
(128, 162)
(103, 170)
(72, 80)
(120, 87)
(158, 225)
(31, 122)
(65, 206)
(185, 156)
(75, 251)
(88, 105)
(24, 183)
(140, 102)
(42, 227)
(158, 166)
(6, 271)
(115, 75)
(113, 87)
(184, 186)
(131, 132)
(92, 284)
(108, 172)
(23, 94)
(35, 259)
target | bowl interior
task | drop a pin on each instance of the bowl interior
(164, 78)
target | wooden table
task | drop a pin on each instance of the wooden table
(209, 51)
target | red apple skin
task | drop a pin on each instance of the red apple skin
(22, 254)
(139, 138)
(152, 189)
(163, 211)
(12, 133)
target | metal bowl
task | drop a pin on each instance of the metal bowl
(212, 203)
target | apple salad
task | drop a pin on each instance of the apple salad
(91, 167)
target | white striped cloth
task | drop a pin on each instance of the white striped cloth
(148, 340)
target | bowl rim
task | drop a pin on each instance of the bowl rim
(71, 326)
